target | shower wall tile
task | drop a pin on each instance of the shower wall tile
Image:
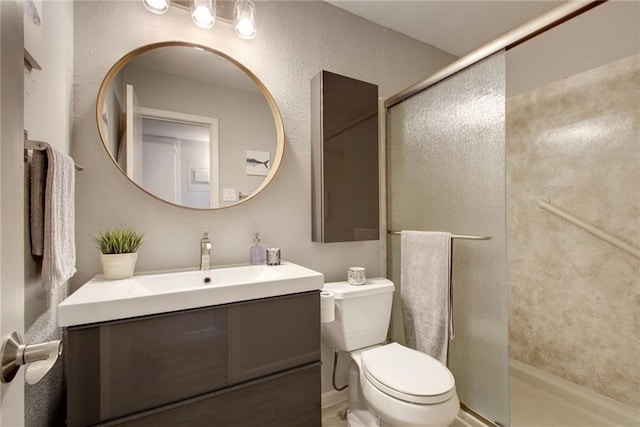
(574, 299)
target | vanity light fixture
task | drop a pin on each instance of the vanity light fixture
(156, 6)
(205, 13)
(244, 17)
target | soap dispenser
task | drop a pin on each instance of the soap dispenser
(257, 251)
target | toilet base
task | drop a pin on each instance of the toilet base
(359, 413)
(365, 419)
(362, 418)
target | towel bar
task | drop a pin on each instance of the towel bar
(40, 146)
(453, 236)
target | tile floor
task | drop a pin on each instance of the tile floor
(331, 417)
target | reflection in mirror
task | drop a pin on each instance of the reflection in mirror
(167, 145)
(190, 125)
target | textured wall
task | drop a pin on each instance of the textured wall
(48, 105)
(295, 41)
(574, 298)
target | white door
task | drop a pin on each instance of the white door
(161, 165)
(134, 136)
(11, 198)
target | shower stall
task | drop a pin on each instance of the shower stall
(533, 140)
(573, 210)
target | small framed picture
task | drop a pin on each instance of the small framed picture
(258, 162)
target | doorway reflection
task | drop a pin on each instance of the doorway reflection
(177, 162)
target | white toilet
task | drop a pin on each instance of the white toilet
(389, 385)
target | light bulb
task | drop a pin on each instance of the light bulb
(156, 6)
(244, 15)
(203, 13)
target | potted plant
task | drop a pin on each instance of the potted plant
(118, 247)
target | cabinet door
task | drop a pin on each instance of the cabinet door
(119, 368)
(288, 399)
(274, 334)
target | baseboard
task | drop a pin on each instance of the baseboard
(333, 397)
(581, 397)
(468, 419)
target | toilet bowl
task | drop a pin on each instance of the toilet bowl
(407, 388)
(389, 385)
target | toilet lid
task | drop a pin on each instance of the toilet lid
(407, 374)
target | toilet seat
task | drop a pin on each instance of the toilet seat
(407, 374)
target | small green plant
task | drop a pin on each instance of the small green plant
(118, 240)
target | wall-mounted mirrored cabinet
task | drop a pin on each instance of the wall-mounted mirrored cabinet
(344, 144)
(190, 125)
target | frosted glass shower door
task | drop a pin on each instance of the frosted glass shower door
(446, 172)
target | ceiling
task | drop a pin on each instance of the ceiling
(455, 26)
(462, 26)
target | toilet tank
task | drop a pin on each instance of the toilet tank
(362, 314)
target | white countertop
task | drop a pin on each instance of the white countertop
(101, 300)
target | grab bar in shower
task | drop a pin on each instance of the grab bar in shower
(453, 236)
(590, 228)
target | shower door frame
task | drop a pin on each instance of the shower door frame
(519, 35)
(513, 38)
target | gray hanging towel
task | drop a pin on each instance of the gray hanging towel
(52, 215)
(426, 291)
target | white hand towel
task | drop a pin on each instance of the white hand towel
(426, 290)
(52, 225)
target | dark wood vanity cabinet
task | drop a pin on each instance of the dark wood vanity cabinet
(252, 363)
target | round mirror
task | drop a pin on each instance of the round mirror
(190, 125)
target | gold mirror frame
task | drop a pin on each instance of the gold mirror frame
(277, 118)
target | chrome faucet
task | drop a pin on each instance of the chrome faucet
(205, 251)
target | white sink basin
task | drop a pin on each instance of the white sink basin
(176, 282)
(100, 300)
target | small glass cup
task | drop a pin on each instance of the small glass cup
(273, 256)
(356, 276)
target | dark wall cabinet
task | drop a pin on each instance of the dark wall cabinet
(344, 159)
(253, 363)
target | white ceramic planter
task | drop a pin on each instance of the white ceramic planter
(118, 266)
